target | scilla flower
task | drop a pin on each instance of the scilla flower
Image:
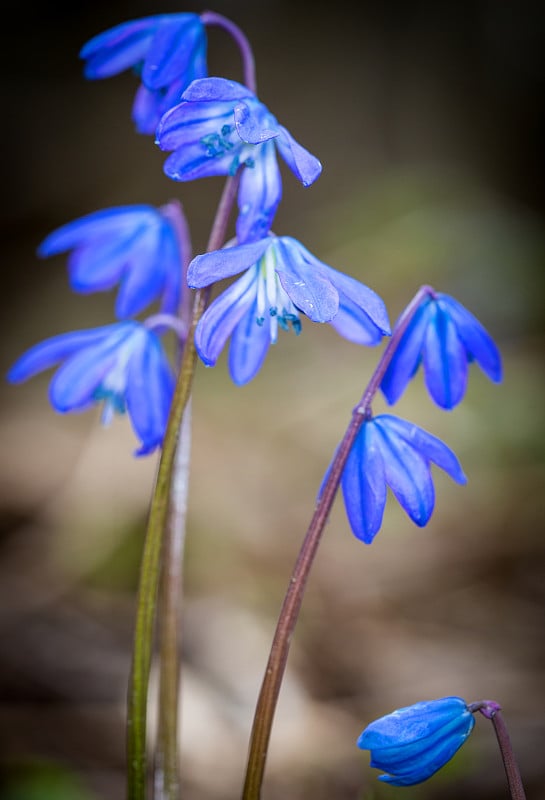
(389, 451)
(445, 338)
(281, 281)
(122, 366)
(221, 125)
(168, 51)
(412, 743)
(136, 246)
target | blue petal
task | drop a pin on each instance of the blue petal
(48, 353)
(249, 346)
(119, 221)
(187, 123)
(444, 360)
(430, 447)
(476, 339)
(407, 473)
(74, 383)
(221, 317)
(190, 162)
(311, 292)
(170, 256)
(354, 324)
(408, 724)
(259, 194)
(357, 293)
(363, 485)
(407, 356)
(171, 49)
(303, 164)
(118, 48)
(216, 89)
(250, 121)
(143, 281)
(150, 386)
(211, 267)
(421, 742)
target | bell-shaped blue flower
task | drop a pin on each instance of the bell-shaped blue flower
(167, 51)
(389, 451)
(219, 126)
(135, 246)
(412, 743)
(122, 366)
(281, 281)
(445, 338)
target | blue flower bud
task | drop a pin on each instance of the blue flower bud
(412, 743)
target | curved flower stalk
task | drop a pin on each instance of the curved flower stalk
(136, 246)
(122, 366)
(411, 744)
(167, 51)
(389, 451)
(445, 338)
(219, 126)
(281, 281)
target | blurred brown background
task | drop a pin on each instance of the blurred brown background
(428, 118)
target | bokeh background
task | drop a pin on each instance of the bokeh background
(428, 118)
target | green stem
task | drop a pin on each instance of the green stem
(157, 523)
(289, 614)
(166, 781)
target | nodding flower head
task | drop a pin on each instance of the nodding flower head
(281, 282)
(136, 246)
(445, 338)
(167, 51)
(412, 743)
(123, 366)
(219, 126)
(389, 451)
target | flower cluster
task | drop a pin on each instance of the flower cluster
(211, 126)
(388, 451)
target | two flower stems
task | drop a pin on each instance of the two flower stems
(159, 522)
(165, 535)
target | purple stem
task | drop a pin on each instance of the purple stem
(492, 711)
(242, 42)
(274, 672)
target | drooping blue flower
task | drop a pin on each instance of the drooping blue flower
(221, 125)
(412, 743)
(122, 366)
(389, 451)
(281, 280)
(445, 338)
(167, 51)
(136, 246)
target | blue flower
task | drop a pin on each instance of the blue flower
(137, 246)
(389, 451)
(281, 280)
(168, 51)
(221, 125)
(122, 365)
(412, 743)
(445, 338)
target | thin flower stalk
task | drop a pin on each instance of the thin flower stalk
(241, 40)
(166, 775)
(492, 711)
(157, 523)
(512, 771)
(274, 672)
(166, 778)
